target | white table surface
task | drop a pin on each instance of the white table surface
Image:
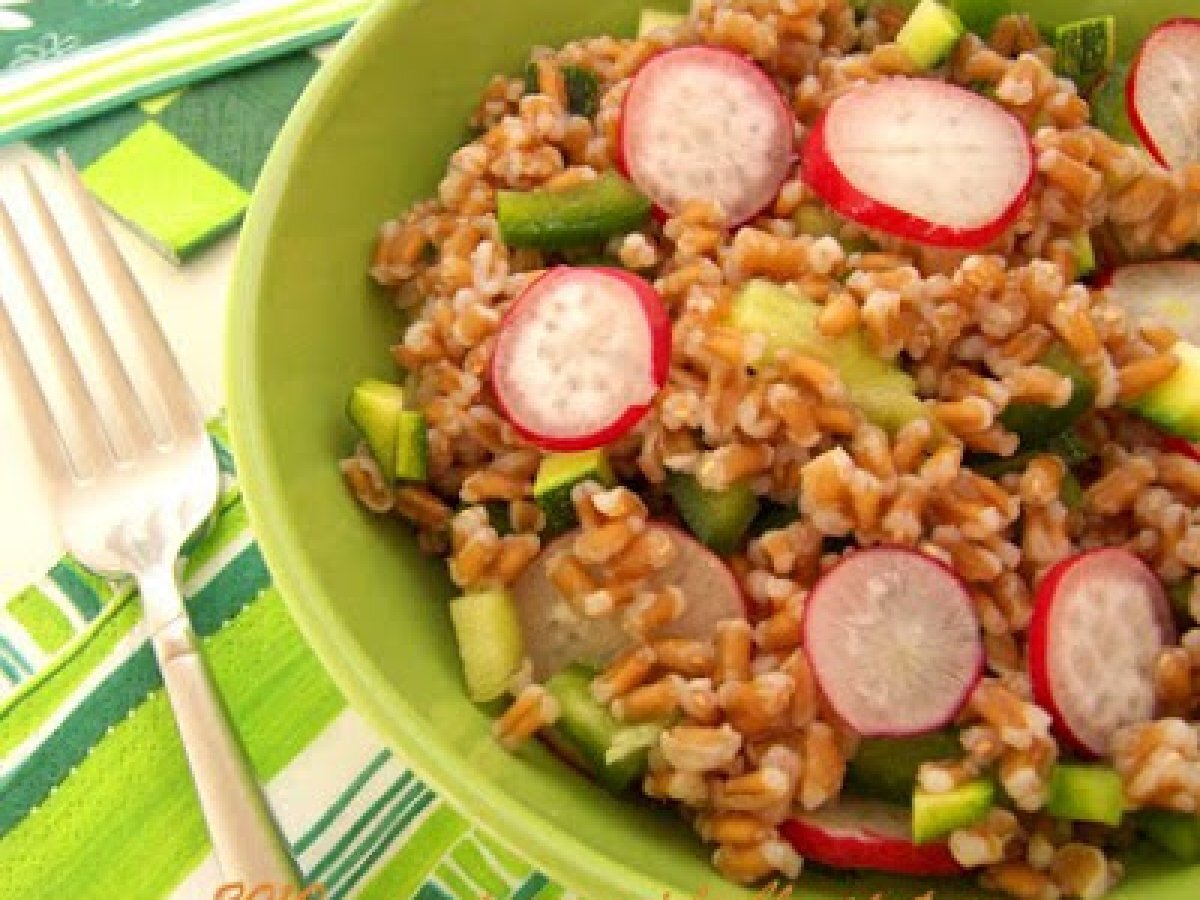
(190, 303)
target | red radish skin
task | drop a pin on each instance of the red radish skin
(556, 636)
(865, 834)
(1183, 447)
(894, 642)
(614, 295)
(916, 98)
(1162, 93)
(1167, 291)
(693, 122)
(1115, 610)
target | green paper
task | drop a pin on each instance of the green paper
(152, 106)
(227, 124)
(61, 27)
(232, 122)
(157, 184)
(38, 615)
(87, 142)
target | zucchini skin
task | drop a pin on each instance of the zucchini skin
(586, 214)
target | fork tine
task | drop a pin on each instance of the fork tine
(43, 431)
(129, 407)
(90, 449)
(183, 412)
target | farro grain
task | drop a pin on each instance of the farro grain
(685, 656)
(650, 702)
(533, 709)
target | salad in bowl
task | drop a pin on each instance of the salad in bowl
(802, 395)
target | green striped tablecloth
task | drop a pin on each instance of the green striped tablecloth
(95, 799)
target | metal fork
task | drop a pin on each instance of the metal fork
(126, 500)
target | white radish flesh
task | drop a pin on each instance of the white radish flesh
(1100, 621)
(1163, 93)
(924, 160)
(1165, 293)
(556, 635)
(580, 356)
(705, 123)
(894, 642)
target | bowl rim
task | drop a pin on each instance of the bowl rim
(553, 850)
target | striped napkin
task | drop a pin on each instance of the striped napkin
(179, 168)
(172, 145)
(63, 60)
(95, 799)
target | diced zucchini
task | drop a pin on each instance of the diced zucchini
(582, 85)
(1084, 253)
(583, 91)
(1034, 423)
(489, 641)
(1084, 51)
(1109, 112)
(590, 256)
(980, 16)
(411, 460)
(718, 519)
(784, 318)
(773, 516)
(587, 727)
(1174, 404)
(499, 517)
(817, 221)
(884, 392)
(1086, 793)
(633, 741)
(586, 213)
(1070, 491)
(936, 815)
(1176, 832)
(886, 768)
(657, 18)
(888, 405)
(375, 408)
(556, 478)
(1071, 447)
(1180, 595)
(1068, 446)
(930, 33)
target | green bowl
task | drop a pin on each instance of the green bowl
(371, 135)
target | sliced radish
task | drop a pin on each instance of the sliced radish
(579, 357)
(1166, 292)
(1190, 449)
(894, 642)
(921, 159)
(556, 635)
(706, 123)
(1162, 94)
(1100, 620)
(867, 834)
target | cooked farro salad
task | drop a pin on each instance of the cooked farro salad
(801, 395)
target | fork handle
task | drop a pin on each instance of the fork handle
(246, 841)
